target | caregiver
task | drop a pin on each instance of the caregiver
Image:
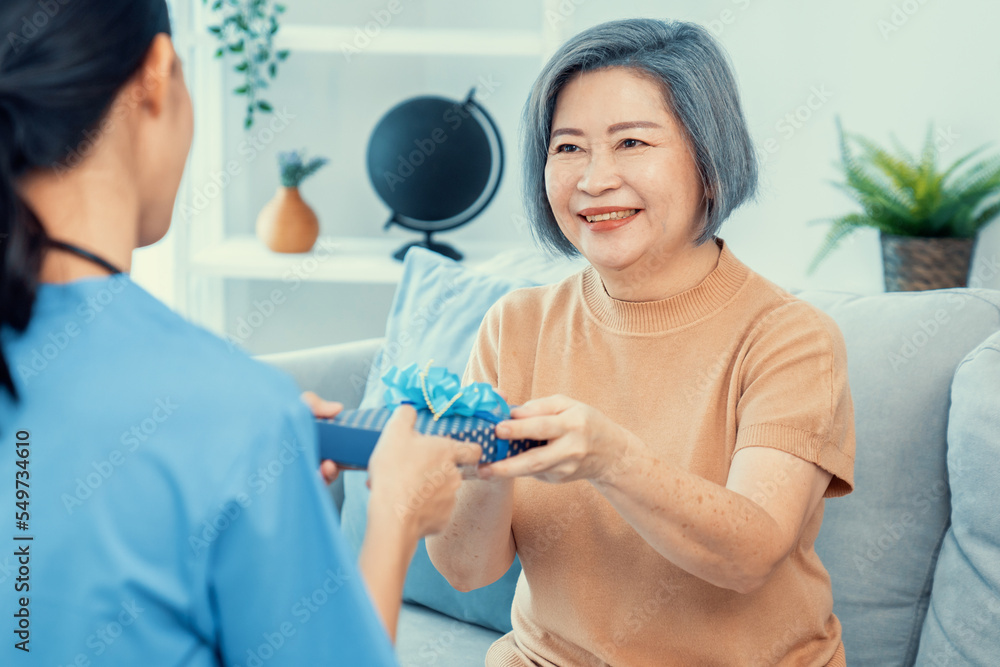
(697, 414)
(172, 511)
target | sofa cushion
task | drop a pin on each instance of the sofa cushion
(425, 637)
(963, 622)
(436, 315)
(880, 543)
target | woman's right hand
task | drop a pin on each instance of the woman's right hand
(415, 477)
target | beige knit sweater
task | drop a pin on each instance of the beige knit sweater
(733, 362)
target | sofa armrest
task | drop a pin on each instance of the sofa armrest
(335, 372)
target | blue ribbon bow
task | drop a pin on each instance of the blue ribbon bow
(441, 393)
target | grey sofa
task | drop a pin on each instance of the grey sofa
(914, 582)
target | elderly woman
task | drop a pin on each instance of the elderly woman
(697, 414)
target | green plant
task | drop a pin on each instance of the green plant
(247, 31)
(902, 195)
(295, 169)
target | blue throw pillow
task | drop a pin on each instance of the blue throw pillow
(963, 622)
(436, 315)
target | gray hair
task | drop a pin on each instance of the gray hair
(698, 86)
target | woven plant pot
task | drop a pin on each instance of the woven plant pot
(914, 263)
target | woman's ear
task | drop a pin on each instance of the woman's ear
(154, 77)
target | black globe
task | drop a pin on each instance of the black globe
(437, 163)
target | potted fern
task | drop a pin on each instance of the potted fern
(287, 223)
(927, 219)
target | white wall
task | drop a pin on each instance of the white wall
(936, 63)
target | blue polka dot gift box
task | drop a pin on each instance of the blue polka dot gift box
(444, 408)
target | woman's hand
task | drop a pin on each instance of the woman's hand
(583, 443)
(324, 409)
(416, 476)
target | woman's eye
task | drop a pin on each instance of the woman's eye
(566, 148)
(632, 143)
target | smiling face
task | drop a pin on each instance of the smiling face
(621, 176)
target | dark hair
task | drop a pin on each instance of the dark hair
(62, 63)
(698, 87)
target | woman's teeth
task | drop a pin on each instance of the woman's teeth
(614, 215)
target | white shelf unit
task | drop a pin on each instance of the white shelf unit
(205, 258)
(413, 41)
(333, 259)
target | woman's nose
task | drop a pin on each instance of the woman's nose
(600, 175)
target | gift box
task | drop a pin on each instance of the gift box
(444, 408)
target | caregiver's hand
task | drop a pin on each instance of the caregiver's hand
(583, 443)
(413, 480)
(325, 410)
(416, 476)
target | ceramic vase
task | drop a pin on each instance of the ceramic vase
(287, 223)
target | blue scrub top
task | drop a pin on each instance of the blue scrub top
(170, 484)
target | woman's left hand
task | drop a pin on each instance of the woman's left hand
(582, 442)
(324, 409)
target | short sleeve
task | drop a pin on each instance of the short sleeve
(284, 589)
(794, 393)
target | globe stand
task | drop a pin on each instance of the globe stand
(432, 245)
(462, 176)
